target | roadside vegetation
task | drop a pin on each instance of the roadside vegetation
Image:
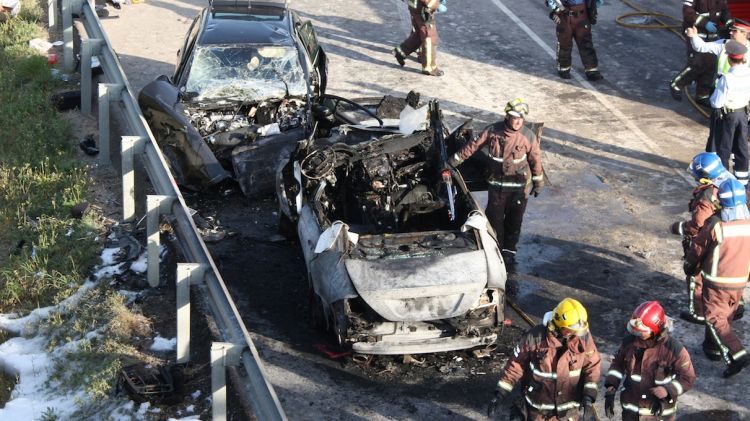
(47, 252)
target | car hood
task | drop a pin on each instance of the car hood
(420, 288)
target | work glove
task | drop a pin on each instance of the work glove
(656, 407)
(688, 268)
(711, 27)
(659, 391)
(500, 395)
(676, 228)
(554, 15)
(588, 409)
(609, 403)
(537, 188)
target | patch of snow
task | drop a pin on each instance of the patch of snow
(108, 271)
(130, 296)
(190, 409)
(143, 408)
(195, 394)
(109, 256)
(141, 264)
(162, 344)
(28, 359)
(12, 323)
(191, 417)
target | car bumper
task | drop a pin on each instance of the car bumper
(405, 346)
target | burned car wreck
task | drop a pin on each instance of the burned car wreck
(246, 78)
(399, 255)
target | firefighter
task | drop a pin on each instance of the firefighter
(709, 172)
(574, 19)
(706, 16)
(654, 367)
(424, 36)
(515, 171)
(557, 366)
(720, 253)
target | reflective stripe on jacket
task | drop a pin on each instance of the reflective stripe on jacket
(575, 374)
(722, 252)
(663, 362)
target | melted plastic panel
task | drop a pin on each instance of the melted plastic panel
(246, 73)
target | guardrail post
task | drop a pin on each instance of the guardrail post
(155, 206)
(52, 15)
(223, 354)
(187, 274)
(67, 20)
(89, 48)
(130, 146)
(108, 92)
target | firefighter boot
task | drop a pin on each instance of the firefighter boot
(433, 72)
(736, 366)
(710, 347)
(675, 91)
(593, 75)
(565, 74)
(400, 57)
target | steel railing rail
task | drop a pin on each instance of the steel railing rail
(256, 388)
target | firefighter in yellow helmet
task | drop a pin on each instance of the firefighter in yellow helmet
(557, 366)
(514, 165)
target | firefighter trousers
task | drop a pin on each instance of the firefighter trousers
(505, 209)
(424, 36)
(575, 25)
(720, 304)
(701, 69)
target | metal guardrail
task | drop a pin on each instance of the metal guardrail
(238, 348)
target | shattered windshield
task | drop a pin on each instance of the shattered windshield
(245, 73)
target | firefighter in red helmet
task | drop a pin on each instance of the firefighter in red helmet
(653, 367)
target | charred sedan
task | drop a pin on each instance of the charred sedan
(246, 78)
(400, 257)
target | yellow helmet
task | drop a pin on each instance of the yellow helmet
(570, 314)
(517, 108)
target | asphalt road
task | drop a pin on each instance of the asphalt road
(615, 152)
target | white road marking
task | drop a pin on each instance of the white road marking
(647, 142)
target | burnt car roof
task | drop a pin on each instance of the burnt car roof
(231, 23)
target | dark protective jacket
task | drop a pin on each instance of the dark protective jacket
(703, 206)
(699, 12)
(514, 161)
(721, 253)
(554, 376)
(642, 364)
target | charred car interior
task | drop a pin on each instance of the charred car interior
(242, 91)
(400, 257)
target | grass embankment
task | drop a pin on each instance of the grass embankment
(45, 253)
